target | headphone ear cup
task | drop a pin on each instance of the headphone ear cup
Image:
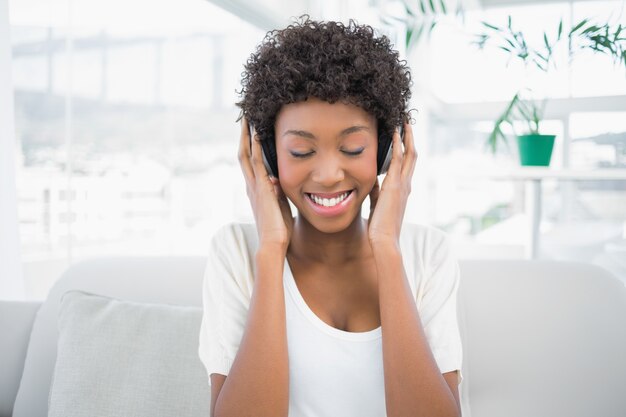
(387, 161)
(387, 149)
(269, 156)
(384, 154)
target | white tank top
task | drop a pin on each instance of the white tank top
(331, 372)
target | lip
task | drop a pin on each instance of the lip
(331, 211)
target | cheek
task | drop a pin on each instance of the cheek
(365, 167)
(370, 162)
(291, 174)
(370, 170)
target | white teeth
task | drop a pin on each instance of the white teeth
(329, 202)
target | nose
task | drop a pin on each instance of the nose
(328, 172)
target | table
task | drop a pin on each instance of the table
(533, 177)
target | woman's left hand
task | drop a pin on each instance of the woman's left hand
(388, 202)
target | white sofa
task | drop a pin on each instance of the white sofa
(540, 338)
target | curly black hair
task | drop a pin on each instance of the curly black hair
(330, 61)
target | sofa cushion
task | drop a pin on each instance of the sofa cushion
(542, 338)
(116, 357)
(163, 279)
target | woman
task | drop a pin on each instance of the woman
(329, 313)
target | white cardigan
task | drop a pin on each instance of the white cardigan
(331, 372)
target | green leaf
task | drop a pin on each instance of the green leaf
(617, 32)
(592, 28)
(432, 6)
(418, 35)
(523, 109)
(521, 35)
(408, 9)
(460, 11)
(558, 36)
(534, 124)
(578, 26)
(510, 43)
(480, 42)
(539, 65)
(496, 135)
(492, 140)
(422, 7)
(492, 26)
(387, 19)
(504, 48)
(505, 117)
(443, 6)
(408, 36)
(545, 39)
(432, 26)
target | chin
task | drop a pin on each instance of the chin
(332, 227)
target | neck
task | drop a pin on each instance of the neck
(309, 245)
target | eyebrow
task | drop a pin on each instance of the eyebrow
(308, 135)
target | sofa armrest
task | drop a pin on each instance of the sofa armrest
(16, 322)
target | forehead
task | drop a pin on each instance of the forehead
(316, 114)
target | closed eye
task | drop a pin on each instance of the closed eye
(353, 153)
(301, 155)
(306, 155)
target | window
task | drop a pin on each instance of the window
(471, 88)
(126, 131)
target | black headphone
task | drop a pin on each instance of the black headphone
(383, 159)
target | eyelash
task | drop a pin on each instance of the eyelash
(306, 155)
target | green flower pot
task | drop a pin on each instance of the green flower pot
(535, 150)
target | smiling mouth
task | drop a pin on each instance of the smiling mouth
(328, 202)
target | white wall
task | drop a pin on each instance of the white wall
(11, 282)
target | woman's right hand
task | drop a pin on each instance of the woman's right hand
(271, 209)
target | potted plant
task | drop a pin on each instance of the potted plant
(535, 148)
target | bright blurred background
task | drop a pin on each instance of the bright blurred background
(125, 136)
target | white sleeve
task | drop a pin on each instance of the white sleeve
(225, 305)
(439, 305)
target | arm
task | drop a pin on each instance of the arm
(262, 354)
(217, 382)
(414, 385)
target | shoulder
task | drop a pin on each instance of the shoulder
(435, 267)
(233, 238)
(423, 240)
(231, 256)
(430, 254)
(234, 231)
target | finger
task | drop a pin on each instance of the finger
(396, 156)
(277, 190)
(257, 159)
(244, 138)
(374, 195)
(244, 153)
(282, 198)
(410, 154)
